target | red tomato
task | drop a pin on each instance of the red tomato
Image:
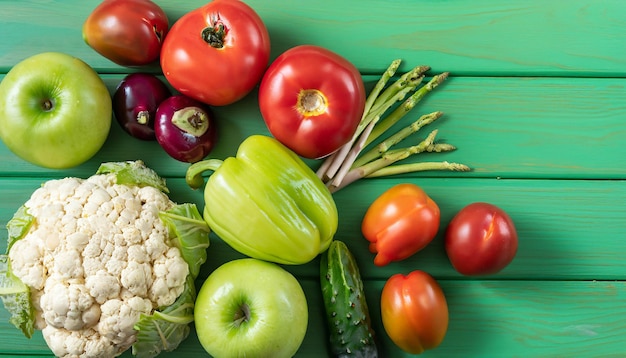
(312, 100)
(481, 239)
(414, 311)
(127, 32)
(216, 53)
(400, 222)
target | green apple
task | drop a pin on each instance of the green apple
(251, 308)
(55, 111)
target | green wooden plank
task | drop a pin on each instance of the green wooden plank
(487, 319)
(570, 230)
(503, 127)
(533, 37)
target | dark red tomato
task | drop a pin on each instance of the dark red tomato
(312, 100)
(127, 32)
(185, 128)
(400, 222)
(414, 311)
(481, 239)
(216, 53)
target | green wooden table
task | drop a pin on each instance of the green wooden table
(536, 104)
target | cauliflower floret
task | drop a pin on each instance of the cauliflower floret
(96, 257)
(119, 316)
(170, 271)
(103, 286)
(68, 264)
(77, 241)
(155, 246)
(95, 201)
(84, 344)
(138, 253)
(137, 278)
(28, 264)
(35, 297)
(68, 305)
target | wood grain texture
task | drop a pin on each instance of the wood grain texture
(568, 229)
(582, 319)
(533, 37)
(503, 127)
(535, 104)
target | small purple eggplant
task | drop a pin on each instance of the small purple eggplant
(135, 102)
(185, 128)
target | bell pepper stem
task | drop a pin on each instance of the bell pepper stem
(194, 177)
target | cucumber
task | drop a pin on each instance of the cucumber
(347, 315)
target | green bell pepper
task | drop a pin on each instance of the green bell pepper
(267, 203)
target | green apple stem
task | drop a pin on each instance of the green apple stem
(242, 315)
(47, 105)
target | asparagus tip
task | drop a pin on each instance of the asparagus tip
(458, 167)
(443, 76)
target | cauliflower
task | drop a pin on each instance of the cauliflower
(99, 258)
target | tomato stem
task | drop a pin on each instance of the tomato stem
(311, 102)
(214, 35)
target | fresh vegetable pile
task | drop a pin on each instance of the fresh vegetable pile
(107, 263)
